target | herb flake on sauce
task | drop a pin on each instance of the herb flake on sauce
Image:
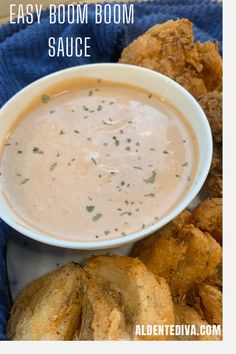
(152, 178)
(25, 181)
(45, 99)
(53, 166)
(90, 208)
(94, 161)
(97, 217)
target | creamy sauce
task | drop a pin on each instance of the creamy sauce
(97, 160)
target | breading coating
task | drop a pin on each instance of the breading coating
(215, 184)
(216, 163)
(208, 302)
(170, 230)
(186, 315)
(208, 217)
(169, 49)
(184, 261)
(211, 103)
(128, 294)
(49, 308)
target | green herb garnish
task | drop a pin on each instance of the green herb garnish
(36, 150)
(90, 208)
(53, 166)
(45, 98)
(117, 142)
(94, 161)
(25, 181)
(149, 195)
(152, 178)
(97, 217)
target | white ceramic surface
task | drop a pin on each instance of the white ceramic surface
(138, 76)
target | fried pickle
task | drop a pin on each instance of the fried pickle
(184, 261)
(128, 293)
(169, 49)
(49, 308)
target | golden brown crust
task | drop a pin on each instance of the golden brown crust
(187, 315)
(131, 295)
(212, 105)
(208, 302)
(208, 217)
(184, 261)
(215, 184)
(49, 308)
(169, 49)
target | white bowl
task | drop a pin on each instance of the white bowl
(144, 78)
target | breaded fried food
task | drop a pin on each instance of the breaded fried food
(186, 315)
(208, 217)
(49, 308)
(208, 302)
(215, 183)
(170, 230)
(216, 163)
(169, 49)
(211, 103)
(184, 261)
(121, 293)
(216, 278)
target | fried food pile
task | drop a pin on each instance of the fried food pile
(169, 48)
(188, 255)
(103, 301)
(171, 277)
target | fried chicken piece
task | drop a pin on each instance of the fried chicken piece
(49, 308)
(184, 261)
(211, 103)
(169, 49)
(208, 303)
(208, 217)
(186, 315)
(215, 184)
(122, 293)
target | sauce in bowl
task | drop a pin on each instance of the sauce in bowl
(94, 160)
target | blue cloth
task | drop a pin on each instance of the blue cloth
(24, 59)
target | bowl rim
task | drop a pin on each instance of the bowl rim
(122, 240)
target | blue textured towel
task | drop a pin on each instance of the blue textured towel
(24, 58)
